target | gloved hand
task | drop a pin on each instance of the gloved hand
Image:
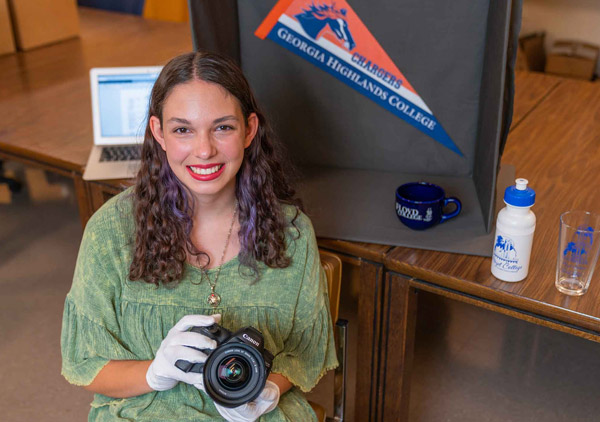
(162, 373)
(253, 410)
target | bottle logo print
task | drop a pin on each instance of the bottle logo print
(505, 255)
(575, 253)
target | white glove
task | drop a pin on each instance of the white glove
(162, 373)
(253, 410)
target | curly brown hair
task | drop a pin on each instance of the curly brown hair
(164, 205)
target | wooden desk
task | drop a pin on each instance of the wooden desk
(556, 147)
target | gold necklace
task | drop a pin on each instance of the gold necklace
(213, 298)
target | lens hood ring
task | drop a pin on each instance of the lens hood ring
(227, 395)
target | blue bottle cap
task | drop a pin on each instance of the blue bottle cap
(519, 195)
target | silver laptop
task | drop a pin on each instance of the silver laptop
(120, 99)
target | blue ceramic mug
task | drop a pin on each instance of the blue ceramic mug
(420, 205)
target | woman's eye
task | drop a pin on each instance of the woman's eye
(224, 128)
(181, 130)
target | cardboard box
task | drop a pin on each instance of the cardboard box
(573, 59)
(7, 41)
(352, 152)
(40, 22)
(532, 46)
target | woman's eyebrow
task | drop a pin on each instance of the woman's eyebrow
(225, 118)
(178, 120)
(216, 121)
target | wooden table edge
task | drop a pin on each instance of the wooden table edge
(523, 308)
(357, 249)
(24, 156)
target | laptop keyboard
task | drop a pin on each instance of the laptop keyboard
(121, 153)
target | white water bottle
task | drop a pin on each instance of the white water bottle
(514, 233)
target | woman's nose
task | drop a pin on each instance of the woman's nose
(204, 147)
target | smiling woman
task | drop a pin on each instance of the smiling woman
(204, 136)
(211, 232)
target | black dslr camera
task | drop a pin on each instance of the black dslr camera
(236, 371)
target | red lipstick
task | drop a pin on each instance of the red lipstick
(206, 177)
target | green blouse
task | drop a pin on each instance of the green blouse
(108, 317)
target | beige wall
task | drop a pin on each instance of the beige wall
(563, 19)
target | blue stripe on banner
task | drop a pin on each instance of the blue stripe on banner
(361, 82)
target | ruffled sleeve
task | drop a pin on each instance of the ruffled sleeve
(90, 334)
(309, 350)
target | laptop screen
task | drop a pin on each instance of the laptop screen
(120, 99)
(123, 103)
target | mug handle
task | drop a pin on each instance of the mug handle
(451, 200)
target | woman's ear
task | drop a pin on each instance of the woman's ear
(251, 129)
(157, 131)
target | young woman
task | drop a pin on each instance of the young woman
(211, 232)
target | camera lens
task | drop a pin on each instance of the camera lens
(236, 371)
(233, 372)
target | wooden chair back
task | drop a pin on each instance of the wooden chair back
(332, 265)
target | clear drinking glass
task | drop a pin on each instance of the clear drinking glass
(578, 247)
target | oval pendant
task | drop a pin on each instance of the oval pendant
(213, 299)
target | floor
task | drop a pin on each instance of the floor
(39, 239)
(470, 364)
